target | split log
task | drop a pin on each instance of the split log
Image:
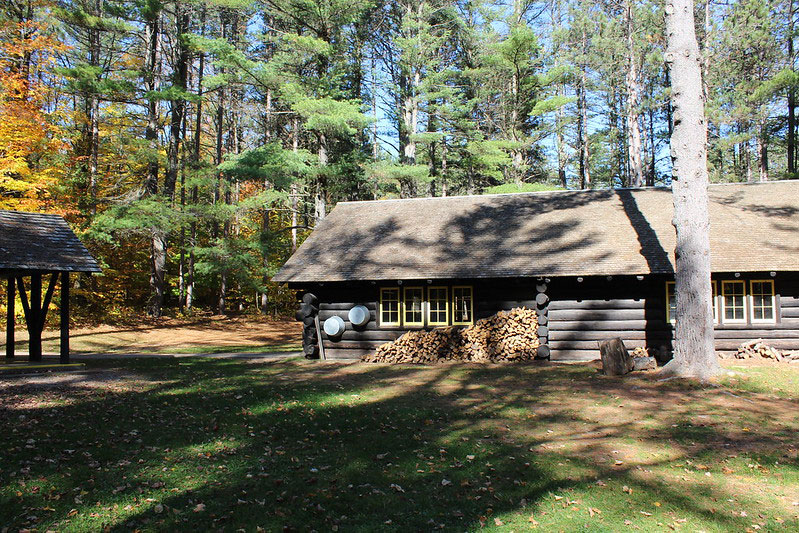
(616, 360)
(645, 363)
(758, 348)
(506, 336)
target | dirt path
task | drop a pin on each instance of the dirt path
(171, 335)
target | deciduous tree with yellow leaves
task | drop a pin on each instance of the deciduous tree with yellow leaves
(29, 140)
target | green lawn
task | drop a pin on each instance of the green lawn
(293, 445)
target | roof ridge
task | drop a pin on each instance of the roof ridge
(559, 191)
(34, 213)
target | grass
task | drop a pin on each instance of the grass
(294, 446)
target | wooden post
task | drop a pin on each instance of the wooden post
(64, 345)
(34, 317)
(12, 296)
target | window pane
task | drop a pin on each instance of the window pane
(462, 304)
(672, 300)
(733, 296)
(389, 306)
(437, 305)
(413, 305)
(762, 300)
(714, 289)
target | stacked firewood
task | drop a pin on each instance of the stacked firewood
(759, 349)
(506, 336)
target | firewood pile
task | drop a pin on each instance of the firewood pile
(759, 349)
(506, 336)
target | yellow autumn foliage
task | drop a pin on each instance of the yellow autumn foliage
(28, 138)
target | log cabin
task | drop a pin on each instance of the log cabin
(595, 264)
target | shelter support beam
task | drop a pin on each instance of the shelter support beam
(34, 319)
(64, 345)
(12, 297)
(36, 310)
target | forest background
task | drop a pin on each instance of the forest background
(193, 144)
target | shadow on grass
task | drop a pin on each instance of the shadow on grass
(300, 446)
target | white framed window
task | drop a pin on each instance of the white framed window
(671, 301)
(761, 301)
(413, 306)
(733, 302)
(462, 305)
(437, 306)
(389, 307)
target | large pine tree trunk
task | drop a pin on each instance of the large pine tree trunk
(295, 189)
(320, 189)
(694, 354)
(762, 152)
(791, 97)
(582, 121)
(158, 242)
(634, 161)
(177, 105)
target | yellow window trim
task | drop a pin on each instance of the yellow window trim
(669, 318)
(430, 321)
(399, 307)
(714, 301)
(471, 305)
(405, 302)
(751, 303)
(743, 320)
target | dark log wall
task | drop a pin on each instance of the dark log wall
(489, 296)
(784, 334)
(582, 313)
(578, 314)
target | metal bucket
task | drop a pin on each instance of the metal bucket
(359, 315)
(334, 326)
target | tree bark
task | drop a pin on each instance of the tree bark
(791, 97)
(158, 237)
(694, 354)
(196, 164)
(177, 105)
(762, 152)
(634, 162)
(295, 190)
(320, 193)
(582, 120)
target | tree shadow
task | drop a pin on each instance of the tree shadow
(296, 446)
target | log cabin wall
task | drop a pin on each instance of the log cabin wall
(578, 314)
(490, 296)
(783, 333)
(582, 313)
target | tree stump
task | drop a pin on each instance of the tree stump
(616, 360)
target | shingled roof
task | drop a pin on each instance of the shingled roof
(36, 241)
(754, 227)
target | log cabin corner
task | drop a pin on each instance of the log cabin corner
(594, 264)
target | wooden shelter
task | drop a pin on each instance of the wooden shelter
(39, 247)
(595, 264)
